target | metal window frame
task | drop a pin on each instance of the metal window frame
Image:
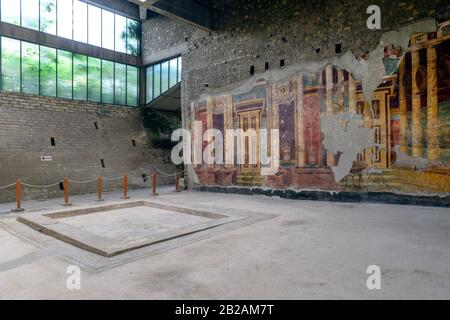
(87, 56)
(178, 57)
(57, 82)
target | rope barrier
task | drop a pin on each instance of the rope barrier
(112, 179)
(168, 174)
(162, 173)
(156, 172)
(42, 187)
(8, 186)
(82, 182)
(140, 178)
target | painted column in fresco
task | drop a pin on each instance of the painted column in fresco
(193, 133)
(352, 98)
(275, 113)
(340, 87)
(300, 136)
(402, 108)
(368, 123)
(329, 82)
(275, 116)
(209, 119)
(432, 105)
(228, 124)
(416, 127)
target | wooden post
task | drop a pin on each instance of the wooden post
(18, 197)
(154, 185)
(125, 187)
(99, 189)
(66, 192)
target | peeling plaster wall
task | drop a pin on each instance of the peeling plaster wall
(292, 38)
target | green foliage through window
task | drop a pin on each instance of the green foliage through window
(30, 68)
(48, 71)
(80, 77)
(107, 81)
(10, 64)
(94, 79)
(48, 16)
(34, 69)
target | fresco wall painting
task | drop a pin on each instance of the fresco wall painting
(409, 116)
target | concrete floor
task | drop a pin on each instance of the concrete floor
(311, 250)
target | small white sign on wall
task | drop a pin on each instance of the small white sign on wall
(46, 158)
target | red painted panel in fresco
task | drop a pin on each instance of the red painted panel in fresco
(202, 116)
(395, 133)
(312, 130)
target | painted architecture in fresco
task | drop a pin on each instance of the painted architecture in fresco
(409, 117)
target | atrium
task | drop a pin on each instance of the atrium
(236, 149)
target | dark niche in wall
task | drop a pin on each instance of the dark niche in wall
(161, 124)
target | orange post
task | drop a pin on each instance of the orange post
(18, 197)
(99, 189)
(66, 192)
(154, 185)
(125, 187)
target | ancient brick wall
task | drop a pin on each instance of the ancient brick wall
(84, 134)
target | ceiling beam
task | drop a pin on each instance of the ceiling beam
(193, 12)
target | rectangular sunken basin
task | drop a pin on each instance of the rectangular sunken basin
(119, 228)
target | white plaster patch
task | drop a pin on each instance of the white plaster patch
(350, 140)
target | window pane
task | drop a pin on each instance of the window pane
(156, 80)
(107, 81)
(64, 74)
(179, 69)
(48, 71)
(132, 86)
(30, 14)
(133, 34)
(164, 76)
(80, 21)
(95, 26)
(121, 34)
(79, 77)
(94, 79)
(120, 84)
(11, 11)
(149, 85)
(10, 64)
(173, 73)
(65, 18)
(30, 68)
(48, 16)
(107, 30)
